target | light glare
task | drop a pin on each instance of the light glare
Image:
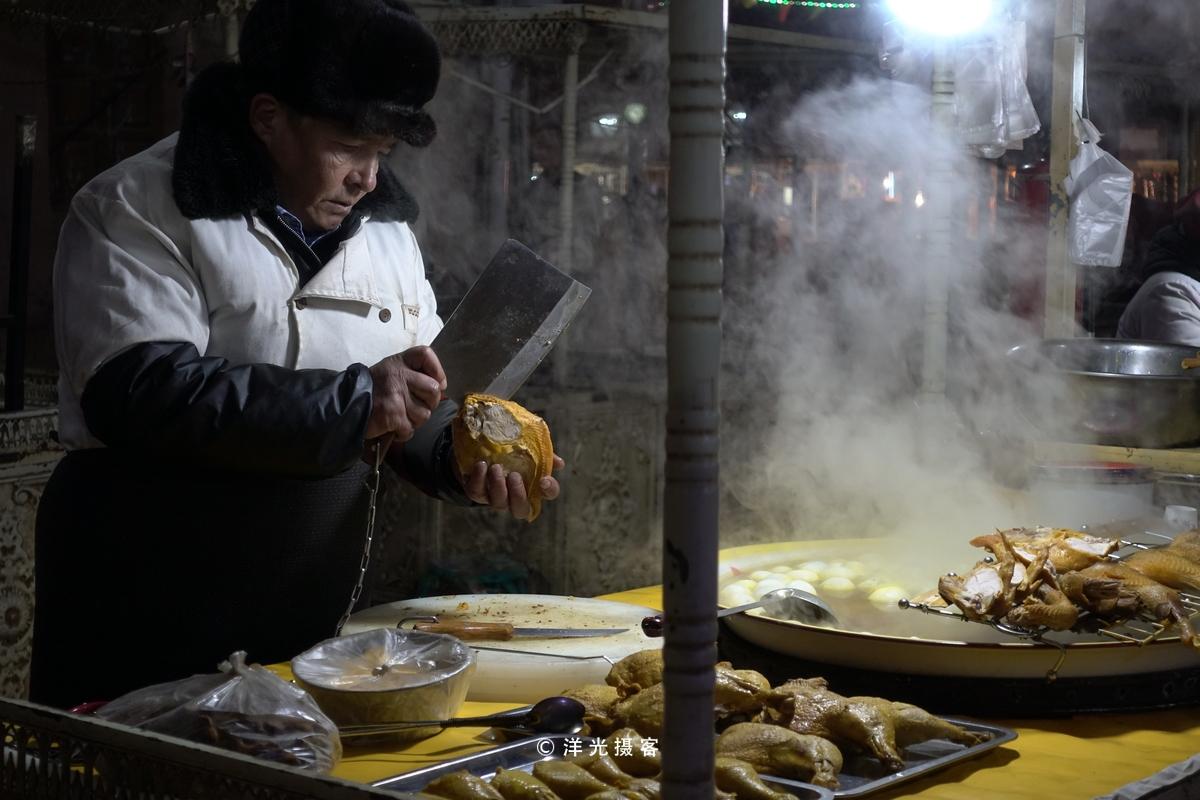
(942, 17)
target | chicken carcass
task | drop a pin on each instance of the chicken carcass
(779, 751)
(1065, 549)
(1168, 567)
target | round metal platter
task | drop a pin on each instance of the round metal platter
(927, 645)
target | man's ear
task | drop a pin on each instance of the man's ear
(266, 117)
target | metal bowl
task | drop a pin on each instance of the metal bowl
(1108, 391)
(387, 675)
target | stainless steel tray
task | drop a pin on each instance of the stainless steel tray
(860, 776)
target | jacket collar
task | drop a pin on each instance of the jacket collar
(221, 170)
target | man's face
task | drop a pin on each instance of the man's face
(322, 169)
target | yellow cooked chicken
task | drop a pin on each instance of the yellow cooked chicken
(1168, 567)
(776, 750)
(625, 747)
(739, 691)
(462, 785)
(569, 781)
(636, 671)
(644, 711)
(517, 785)
(736, 776)
(598, 703)
(1065, 549)
(500, 431)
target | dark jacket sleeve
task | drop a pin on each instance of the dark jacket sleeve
(427, 459)
(164, 399)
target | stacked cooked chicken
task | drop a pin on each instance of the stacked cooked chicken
(797, 730)
(1048, 577)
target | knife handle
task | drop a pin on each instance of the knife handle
(469, 631)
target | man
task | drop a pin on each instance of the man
(1166, 307)
(217, 299)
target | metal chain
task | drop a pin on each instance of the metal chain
(373, 491)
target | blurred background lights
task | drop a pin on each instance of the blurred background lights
(941, 17)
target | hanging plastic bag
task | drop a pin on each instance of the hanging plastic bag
(1100, 191)
(244, 708)
(993, 109)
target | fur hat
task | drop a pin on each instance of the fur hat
(368, 64)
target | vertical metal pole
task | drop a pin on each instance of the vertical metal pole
(942, 220)
(566, 196)
(1066, 101)
(695, 243)
(18, 265)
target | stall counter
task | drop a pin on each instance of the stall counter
(1065, 758)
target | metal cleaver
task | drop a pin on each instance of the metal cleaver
(507, 323)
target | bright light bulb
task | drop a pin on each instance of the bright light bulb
(919, 200)
(942, 17)
(738, 115)
(608, 121)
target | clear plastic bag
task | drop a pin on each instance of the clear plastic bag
(1100, 190)
(992, 105)
(244, 708)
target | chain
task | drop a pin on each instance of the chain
(373, 491)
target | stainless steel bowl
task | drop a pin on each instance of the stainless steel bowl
(1108, 391)
(387, 675)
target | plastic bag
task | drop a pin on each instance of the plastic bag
(244, 708)
(992, 106)
(1100, 190)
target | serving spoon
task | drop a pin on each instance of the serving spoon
(795, 605)
(551, 715)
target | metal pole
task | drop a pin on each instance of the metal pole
(1066, 101)
(695, 243)
(940, 218)
(566, 195)
(18, 265)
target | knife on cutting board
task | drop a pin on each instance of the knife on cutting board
(506, 323)
(503, 631)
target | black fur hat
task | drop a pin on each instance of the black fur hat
(368, 64)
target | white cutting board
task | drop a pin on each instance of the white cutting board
(546, 667)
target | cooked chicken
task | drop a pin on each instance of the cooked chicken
(1167, 567)
(736, 776)
(1048, 607)
(569, 781)
(625, 747)
(739, 691)
(872, 724)
(1154, 599)
(517, 785)
(598, 702)
(614, 794)
(1187, 544)
(1065, 549)
(462, 785)
(779, 751)
(987, 590)
(636, 671)
(644, 711)
(1101, 596)
(603, 767)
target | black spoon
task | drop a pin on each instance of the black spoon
(551, 715)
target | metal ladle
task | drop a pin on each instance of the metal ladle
(551, 715)
(796, 605)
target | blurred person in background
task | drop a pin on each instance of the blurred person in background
(241, 314)
(1166, 308)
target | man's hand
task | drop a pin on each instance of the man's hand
(488, 485)
(407, 387)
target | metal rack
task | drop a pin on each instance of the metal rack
(49, 753)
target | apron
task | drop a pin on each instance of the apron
(147, 573)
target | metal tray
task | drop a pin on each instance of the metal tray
(860, 776)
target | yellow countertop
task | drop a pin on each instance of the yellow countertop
(1064, 758)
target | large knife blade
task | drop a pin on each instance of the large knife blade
(503, 631)
(507, 323)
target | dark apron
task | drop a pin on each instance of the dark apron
(147, 573)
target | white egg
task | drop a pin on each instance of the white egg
(762, 574)
(837, 587)
(804, 575)
(783, 568)
(734, 596)
(838, 570)
(767, 586)
(744, 583)
(886, 597)
(869, 585)
(818, 567)
(803, 586)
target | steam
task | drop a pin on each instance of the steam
(835, 443)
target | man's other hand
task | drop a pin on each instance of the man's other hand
(489, 485)
(407, 387)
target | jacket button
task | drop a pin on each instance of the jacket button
(301, 302)
(384, 314)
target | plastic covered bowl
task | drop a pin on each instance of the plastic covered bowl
(387, 675)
